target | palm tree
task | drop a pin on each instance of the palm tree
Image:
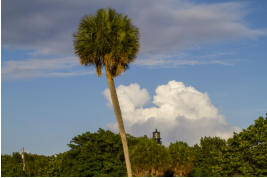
(110, 40)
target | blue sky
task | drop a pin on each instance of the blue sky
(217, 47)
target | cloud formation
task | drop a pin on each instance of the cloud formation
(180, 112)
(166, 62)
(57, 67)
(166, 27)
(47, 26)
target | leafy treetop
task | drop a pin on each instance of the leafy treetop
(106, 39)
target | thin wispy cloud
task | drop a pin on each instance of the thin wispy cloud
(165, 27)
(177, 26)
(57, 67)
(186, 59)
(177, 63)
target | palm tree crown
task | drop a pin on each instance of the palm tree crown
(107, 39)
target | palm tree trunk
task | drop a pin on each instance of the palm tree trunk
(117, 111)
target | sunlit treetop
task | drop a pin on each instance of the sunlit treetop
(107, 39)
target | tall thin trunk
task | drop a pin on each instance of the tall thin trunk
(23, 158)
(117, 111)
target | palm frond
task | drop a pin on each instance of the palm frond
(106, 39)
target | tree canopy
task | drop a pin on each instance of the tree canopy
(106, 39)
(101, 154)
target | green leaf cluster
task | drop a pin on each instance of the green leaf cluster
(11, 165)
(148, 158)
(106, 39)
(94, 154)
(246, 152)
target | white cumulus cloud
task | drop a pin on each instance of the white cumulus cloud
(180, 113)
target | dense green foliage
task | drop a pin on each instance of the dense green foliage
(94, 154)
(36, 165)
(100, 154)
(181, 158)
(246, 152)
(205, 154)
(11, 165)
(148, 157)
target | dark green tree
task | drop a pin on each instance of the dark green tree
(36, 165)
(205, 156)
(149, 158)
(246, 152)
(94, 154)
(110, 40)
(54, 167)
(11, 165)
(181, 158)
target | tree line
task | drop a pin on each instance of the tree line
(100, 154)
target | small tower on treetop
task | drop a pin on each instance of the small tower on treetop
(156, 136)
